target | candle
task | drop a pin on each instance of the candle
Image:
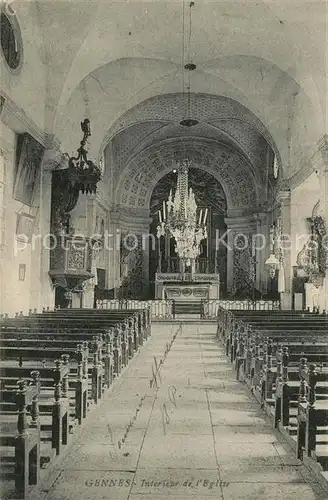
(253, 246)
(164, 216)
(205, 216)
(200, 217)
(160, 216)
(271, 238)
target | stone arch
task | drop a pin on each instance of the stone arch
(208, 191)
(205, 108)
(229, 167)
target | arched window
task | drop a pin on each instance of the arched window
(11, 41)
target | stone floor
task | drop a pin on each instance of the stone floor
(180, 426)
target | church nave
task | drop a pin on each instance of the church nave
(191, 431)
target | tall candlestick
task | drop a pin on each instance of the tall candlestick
(271, 238)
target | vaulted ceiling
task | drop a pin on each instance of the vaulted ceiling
(110, 59)
(229, 141)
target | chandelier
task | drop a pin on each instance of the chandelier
(178, 218)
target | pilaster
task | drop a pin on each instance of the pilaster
(53, 159)
(321, 168)
(262, 229)
(284, 201)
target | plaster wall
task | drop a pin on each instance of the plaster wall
(17, 294)
(303, 200)
(27, 85)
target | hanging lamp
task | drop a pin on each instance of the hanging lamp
(189, 66)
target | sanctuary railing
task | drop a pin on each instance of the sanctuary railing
(164, 309)
(159, 309)
(210, 306)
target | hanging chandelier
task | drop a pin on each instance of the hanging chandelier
(180, 218)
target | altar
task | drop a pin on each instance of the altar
(184, 233)
(187, 287)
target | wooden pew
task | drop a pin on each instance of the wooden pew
(114, 344)
(129, 329)
(143, 316)
(52, 386)
(121, 347)
(276, 333)
(139, 319)
(25, 440)
(312, 417)
(288, 388)
(39, 349)
(270, 369)
(254, 352)
(30, 343)
(278, 313)
(21, 337)
(133, 328)
(128, 333)
(274, 354)
(244, 344)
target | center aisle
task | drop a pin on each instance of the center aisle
(180, 425)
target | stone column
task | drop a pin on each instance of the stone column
(110, 245)
(52, 159)
(145, 242)
(90, 213)
(284, 200)
(116, 228)
(229, 258)
(262, 229)
(148, 244)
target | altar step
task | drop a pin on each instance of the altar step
(188, 307)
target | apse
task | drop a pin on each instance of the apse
(209, 195)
